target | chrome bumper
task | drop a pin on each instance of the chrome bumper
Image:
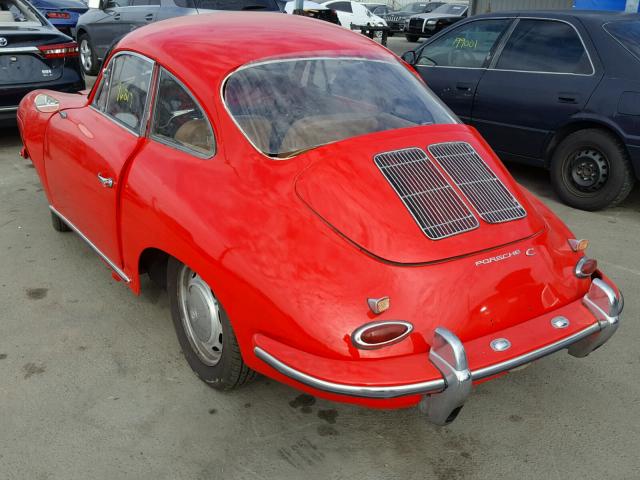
(445, 397)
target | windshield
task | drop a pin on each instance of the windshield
(451, 9)
(627, 32)
(15, 11)
(416, 7)
(236, 5)
(288, 106)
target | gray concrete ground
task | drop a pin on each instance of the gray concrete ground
(93, 384)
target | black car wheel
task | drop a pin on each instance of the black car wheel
(390, 34)
(88, 57)
(412, 38)
(590, 170)
(204, 330)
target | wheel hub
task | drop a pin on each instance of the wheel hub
(200, 317)
(85, 55)
(589, 170)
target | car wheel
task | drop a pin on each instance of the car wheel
(590, 170)
(390, 34)
(88, 58)
(412, 38)
(204, 330)
(58, 224)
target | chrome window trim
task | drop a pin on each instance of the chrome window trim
(515, 25)
(173, 144)
(453, 119)
(112, 265)
(505, 35)
(145, 114)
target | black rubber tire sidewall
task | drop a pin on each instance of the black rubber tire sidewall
(95, 68)
(226, 374)
(412, 38)
(620, 180)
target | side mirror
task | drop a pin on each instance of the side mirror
(46, 104)
(409, 57)
(95, 4)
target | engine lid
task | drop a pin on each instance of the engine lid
(360, 193)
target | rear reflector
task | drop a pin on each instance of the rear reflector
(586, 267)
(59, 50)
(380, 334)
(57, 15)
(578, 245)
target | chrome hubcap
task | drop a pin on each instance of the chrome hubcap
(200, 313)
(85, 54)
(589, 170)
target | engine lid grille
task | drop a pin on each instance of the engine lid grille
(488, 195)
(434, 204)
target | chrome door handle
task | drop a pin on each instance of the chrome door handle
(105, 181)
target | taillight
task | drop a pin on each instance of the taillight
(57, 15)
(586, 267)
(380, 334)
(59, 50)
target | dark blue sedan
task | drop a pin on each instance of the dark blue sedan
(63, 14)
(554, 89)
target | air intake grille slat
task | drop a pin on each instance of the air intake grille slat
(485, 191)
(434, 204)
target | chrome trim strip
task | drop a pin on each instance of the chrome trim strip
(394, 391)
(113, 266)
(9, 109)
(20, 50)
(432, 386)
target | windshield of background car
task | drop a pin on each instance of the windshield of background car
(627, 32)
(416, 7)
(451, 9)
(237, 5)
(16, 12)
(287, 106)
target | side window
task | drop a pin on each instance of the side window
(117, 3)
(178, 119)
(545, 46)
(467, 46)
(341, 6)
(124, 90)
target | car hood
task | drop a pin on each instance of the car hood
(344, 186)
(434, 15)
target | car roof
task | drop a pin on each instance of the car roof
(586, 16)
(206, 47)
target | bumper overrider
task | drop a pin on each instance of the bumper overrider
(461, 364)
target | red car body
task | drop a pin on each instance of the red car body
(294, 248)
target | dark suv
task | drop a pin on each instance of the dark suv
(109, 20)
(555, 89)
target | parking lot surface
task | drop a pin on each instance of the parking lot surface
(93, 384)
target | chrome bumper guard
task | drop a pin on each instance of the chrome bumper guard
(445, 397)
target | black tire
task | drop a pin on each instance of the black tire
(390, 34)
(230, 372)
(590, 170)
(58, 224)
(94, 67)
(412, 38)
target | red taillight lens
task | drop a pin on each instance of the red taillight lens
(380, 334)
(586, 267)
(59, 50)
(57, 15)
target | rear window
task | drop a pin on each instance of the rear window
(285, 107)
(627, 32)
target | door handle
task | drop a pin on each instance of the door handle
(148, 17)
(105, 181)
(116, 16)
(567, 97)
(464, 87)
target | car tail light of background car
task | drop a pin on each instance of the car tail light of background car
(59, 50)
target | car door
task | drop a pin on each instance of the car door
(88, 148)
(140, 12)
(544, 74)
(452, 64)
(111, 26)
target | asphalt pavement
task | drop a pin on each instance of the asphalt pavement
(93, 384)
